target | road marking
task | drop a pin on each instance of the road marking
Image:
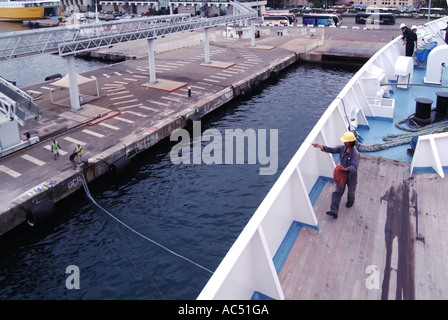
(106, 75)
(106, 125)
(93, 133)
(197, 87)
(115, 93)
(159, 103)
(170, 99)
(174, 64)
(113, 85)
(11, 172)
(122, 97)
(75, 141)
(118, 73)
(139, 76)
(177, 94)
(129, 107)
(136, 113)
(211, 80)
(228, 71)
(160, 68)
(218, 77)
(123, 119)
(148, 108)
(130, 79)
(35, 92)
(115, 103)
(33, 160)
(112, 89)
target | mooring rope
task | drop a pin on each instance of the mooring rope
(393, 140)
(86, 189)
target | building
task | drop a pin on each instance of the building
(390, 3)
(206, 8)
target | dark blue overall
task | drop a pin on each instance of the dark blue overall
(349, 161)
(410, 41)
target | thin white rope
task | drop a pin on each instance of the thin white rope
(86, 189)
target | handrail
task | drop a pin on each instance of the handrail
(72, 39)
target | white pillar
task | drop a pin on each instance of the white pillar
(206, 46)
(73, 89)
(252, 30)
(152, 64)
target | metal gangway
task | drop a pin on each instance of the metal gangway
(72, 39)
(14, 106)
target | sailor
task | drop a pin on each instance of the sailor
(446, 32)
(414, 35)
(349, 160)
(408, 40)
(55, 148)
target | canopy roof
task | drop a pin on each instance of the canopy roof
(64, 82)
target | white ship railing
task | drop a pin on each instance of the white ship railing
(248, 267)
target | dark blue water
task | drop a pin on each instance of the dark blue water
(197, 210)
(34, 69)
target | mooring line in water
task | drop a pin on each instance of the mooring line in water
(86, 189)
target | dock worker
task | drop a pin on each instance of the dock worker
(408, 40)
(414, 36)
(446, 32)
(349, 160)
(78, 152)
(55, 148)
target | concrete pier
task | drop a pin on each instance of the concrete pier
(132, 114)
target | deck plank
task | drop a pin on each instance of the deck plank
(398, 225)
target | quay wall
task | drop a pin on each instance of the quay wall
(47, 193)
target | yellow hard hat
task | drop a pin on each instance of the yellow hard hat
(348, 137)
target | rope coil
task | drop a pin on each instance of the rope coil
(339, 175)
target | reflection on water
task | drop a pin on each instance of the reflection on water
(34, 69)
(11, 26)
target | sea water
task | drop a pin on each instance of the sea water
(188, 211)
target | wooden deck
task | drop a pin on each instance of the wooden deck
(392, 244)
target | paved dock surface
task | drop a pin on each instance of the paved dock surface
(130, 107)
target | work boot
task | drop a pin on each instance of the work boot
(334, 215)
